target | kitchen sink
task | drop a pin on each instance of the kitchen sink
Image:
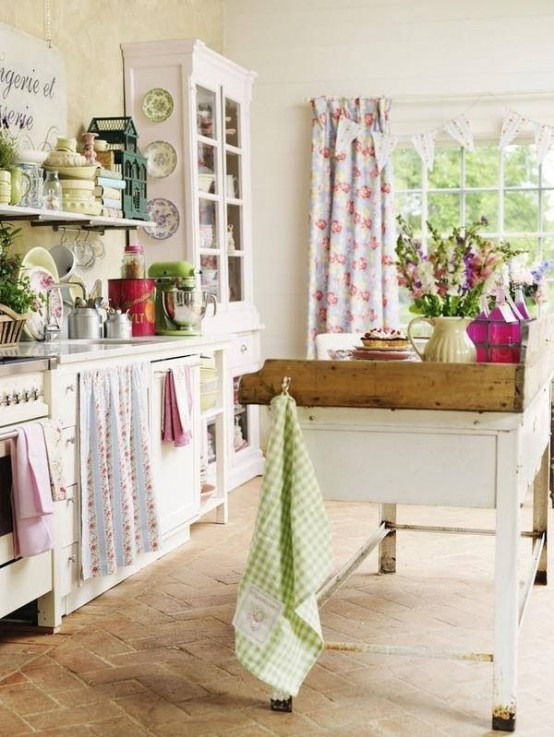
(110, 341)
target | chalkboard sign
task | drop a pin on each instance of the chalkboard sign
(33, 101)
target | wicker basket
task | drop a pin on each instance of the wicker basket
(11, 326)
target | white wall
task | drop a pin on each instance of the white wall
(448, 53)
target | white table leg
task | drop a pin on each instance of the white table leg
(540, 513)
(506, 586)
(387, 547)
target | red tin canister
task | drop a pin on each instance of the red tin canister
(137, 296)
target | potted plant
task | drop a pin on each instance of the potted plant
(8, 153)
(16, 296)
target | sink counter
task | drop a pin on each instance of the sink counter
(75, 351)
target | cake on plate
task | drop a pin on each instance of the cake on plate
(385, 339)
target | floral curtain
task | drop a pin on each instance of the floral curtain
(118, 509)
(352, 279)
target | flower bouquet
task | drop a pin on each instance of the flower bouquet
(529, 281)
(458, 269)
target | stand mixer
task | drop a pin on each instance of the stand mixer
(180, 303)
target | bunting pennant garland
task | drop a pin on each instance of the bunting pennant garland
(458, 129)
(424, 144)
(543, 137)
(384, 144)
(511, 126)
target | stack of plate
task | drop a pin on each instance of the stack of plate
(405, 353)
(40, 267)
(78, 196)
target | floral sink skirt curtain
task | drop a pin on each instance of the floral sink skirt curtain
(352, 283)
(118, 511)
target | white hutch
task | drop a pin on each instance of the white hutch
(191, 109)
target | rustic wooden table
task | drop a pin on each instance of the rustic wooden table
(447, 435)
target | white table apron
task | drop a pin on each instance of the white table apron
(450, 459)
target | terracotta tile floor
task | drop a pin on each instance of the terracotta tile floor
(154, 656)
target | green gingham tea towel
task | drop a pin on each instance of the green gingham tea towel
(277, 630)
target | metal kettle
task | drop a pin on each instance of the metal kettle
(118, 324)
(84, 322)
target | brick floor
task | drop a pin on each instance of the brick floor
(154, 656)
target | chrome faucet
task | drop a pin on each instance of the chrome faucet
(51, 329)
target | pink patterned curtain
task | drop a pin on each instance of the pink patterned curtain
(352, 283)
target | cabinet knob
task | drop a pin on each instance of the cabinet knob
(243, 348)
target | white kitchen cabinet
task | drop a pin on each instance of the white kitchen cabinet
(191, 109)
(176, 471)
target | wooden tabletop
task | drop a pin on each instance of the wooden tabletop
(487, 387)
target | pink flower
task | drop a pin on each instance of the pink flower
(336, 227)
(365, 193)
(321, 224)
(332, 298)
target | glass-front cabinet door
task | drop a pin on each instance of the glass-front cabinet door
(220, 172)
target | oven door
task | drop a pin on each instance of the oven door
(22, 580)
(6, 525)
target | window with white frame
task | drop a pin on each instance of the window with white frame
(507, 186)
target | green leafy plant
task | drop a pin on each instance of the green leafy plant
(15, 290)
(8, 146)
(456, 271)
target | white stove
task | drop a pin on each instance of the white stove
(22, 400)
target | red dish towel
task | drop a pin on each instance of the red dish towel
(33, 508)
(177, 424)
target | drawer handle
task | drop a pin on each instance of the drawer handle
(71, 559)
(70, 388)
(243, 348)
(70, 441)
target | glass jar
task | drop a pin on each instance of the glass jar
(133, 266)
(52, 192)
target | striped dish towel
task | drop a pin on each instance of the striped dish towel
(277, 629)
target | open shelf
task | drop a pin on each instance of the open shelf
(56, 218)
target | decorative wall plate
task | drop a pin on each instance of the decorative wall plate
(40, 279)
(161, 159)
(157, 105)
(166, 216)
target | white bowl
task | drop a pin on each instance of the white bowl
(31, 156)
(73, 172)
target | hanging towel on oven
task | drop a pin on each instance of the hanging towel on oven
(53, 440)
(32, 505)
(277, 630)
(177, 406)
(118, 509)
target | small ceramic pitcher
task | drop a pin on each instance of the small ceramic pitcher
(449, 342)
